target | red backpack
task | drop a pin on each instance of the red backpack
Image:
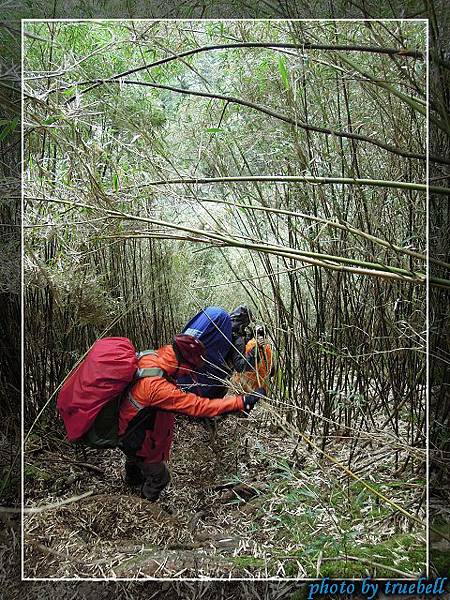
(89, 399)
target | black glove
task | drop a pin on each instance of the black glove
(250, 400)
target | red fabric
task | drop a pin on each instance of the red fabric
(160, 393)
(103, 375)
(158, 441)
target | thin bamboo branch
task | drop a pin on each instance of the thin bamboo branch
(402, 185)
(154, 236)
(38, 509)
(336, 224)
(390, 272)
(413, 103)
(282, 117)
(267, 45)
(329, 257)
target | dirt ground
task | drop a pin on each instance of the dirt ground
(245, 501)
(201, 520)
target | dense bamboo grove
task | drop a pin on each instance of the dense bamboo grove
(439, 342)
(10, 369)
(282, 164)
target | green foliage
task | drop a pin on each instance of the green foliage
(244, 561)
(7, 128)
(33, 472)
(327, 525)
(283, 72)
(9, 483)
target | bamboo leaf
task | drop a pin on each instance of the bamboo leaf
(283, 72)
(50, 120)
(9, 128)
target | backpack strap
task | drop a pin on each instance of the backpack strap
(145, 353)
(140, 374)
(137, 405)
(150, 372)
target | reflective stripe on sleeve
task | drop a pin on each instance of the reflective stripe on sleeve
(134, 402)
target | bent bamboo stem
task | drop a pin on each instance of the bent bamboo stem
(325, 261)
(269, 46)
(402, 185)
(281, 117)
(337, 225)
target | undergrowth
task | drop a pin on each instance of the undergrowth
(331, 529)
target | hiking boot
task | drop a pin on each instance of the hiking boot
(157, 476)
(133, 472)
(210, 425)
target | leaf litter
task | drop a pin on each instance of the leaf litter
(244, 501)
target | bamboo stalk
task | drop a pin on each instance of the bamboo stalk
(402, 185)
(269, 46)
(276, 249)
(389, 272)
(39, 509)
(336, 224)
(413, 103)
(282, 117)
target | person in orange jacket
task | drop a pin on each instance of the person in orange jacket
(259, 360)
(147, 413)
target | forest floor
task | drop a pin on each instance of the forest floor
(244, 502)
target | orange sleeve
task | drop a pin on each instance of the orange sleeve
(160, 393)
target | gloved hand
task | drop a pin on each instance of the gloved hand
(250, 400)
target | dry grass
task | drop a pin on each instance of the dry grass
(296, 519)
